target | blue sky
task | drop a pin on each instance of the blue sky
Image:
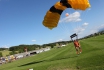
(21, 22)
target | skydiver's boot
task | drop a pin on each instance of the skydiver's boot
(80, 50)
(77, 52)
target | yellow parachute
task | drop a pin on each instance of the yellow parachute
(52, 16)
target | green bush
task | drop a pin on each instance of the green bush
(13, 52)
(1, 54)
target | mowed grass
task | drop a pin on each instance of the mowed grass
(5, 52)
(65, 58)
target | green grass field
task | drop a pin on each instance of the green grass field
(65, 58)
(5, 52)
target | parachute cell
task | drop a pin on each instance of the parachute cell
(52, 16)
(79, 4)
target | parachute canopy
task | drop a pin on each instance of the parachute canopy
(52, 16)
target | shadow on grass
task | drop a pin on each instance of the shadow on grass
(46, 61)
(32, 63)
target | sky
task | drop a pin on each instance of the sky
(21, 22)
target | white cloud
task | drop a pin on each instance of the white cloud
(93, 31)
(33, 40)
(81, 28)
(97, 29)
(74, 17)
(59, 40)
(5, 46)
(85, 24)
(101, 27)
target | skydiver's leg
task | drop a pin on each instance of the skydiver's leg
(77, 50)
(80, 49)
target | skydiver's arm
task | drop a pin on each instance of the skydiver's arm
(78, 43)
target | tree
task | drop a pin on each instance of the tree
(21, 50)
(52, 46)
(13, 52)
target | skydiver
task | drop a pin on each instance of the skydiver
(76, 44)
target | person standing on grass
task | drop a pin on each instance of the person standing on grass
(76, 43)
(77, 46)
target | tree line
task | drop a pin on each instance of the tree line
(20, 48)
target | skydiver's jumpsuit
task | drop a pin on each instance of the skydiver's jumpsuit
(77, 47)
